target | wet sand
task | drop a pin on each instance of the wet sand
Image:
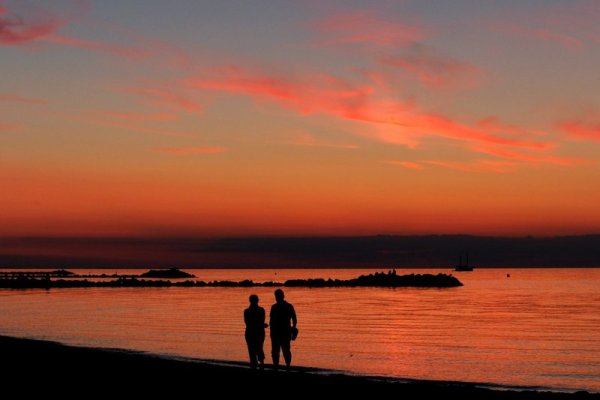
(34, 367)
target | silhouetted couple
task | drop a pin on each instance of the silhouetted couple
(282, 321)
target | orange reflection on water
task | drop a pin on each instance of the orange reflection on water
(538, 327)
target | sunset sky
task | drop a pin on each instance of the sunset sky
(226, 118)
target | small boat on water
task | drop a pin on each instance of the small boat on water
(463, 267)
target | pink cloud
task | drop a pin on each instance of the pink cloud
(237, 80)
(532, 158)
(306, 139)
(464, 166)
(156, 123)
(494, 125)
(15, 98)
(8, 127)
(139, 117)
(433, 70)
(361, 27)
(312, 94)
(141, 46)
(24, 23)
(537, 33)
(167, 97)
(137, 126)
(586, 128)
(15, 31)
(475, 166)
(187, 151)
(405, 123)
(115, 49)
(391, 120)
(511, 162)
(570, 14)
(440, 125)
(42, 25)
(571, 25)
(418, 61)
(406, 164)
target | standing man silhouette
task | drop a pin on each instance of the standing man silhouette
(282, 313)
(254, 317)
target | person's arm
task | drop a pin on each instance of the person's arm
(262, 314)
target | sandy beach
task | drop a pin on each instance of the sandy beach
(51, 368)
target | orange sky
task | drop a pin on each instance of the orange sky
(305, 119)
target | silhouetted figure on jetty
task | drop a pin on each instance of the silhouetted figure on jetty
(283, 329)
(254, 317)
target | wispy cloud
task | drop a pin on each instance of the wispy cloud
(26, 23)
(543, 34)
(15, 98)
(4, 126)
(307, 95)
(365, 28)
(394, 120)
(138, 126)
(306, 139)
(136, 48)
(14, 30)
(494, 125)
(138, 116)
(112, 48)
(143, 47)
(188, 151)
(475, 166)
(418, 124)
(569, 25)
(406, 164)
(585, 128)
(166, 97)
(482, 165)
(530, 158)
(398, 45)
(433, 69)
(155, 123)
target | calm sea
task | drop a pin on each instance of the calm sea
(538, 327)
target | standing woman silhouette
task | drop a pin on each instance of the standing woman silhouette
(254, 317)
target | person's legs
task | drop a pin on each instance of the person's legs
(275, 346)
(251, 350)
(287, 353)
(260, 353)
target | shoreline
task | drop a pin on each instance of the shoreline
(49, 363)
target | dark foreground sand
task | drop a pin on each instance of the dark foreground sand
(33, 367)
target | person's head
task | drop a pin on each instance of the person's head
(279, 295)
(253, 299)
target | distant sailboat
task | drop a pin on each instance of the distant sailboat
(463, 267)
